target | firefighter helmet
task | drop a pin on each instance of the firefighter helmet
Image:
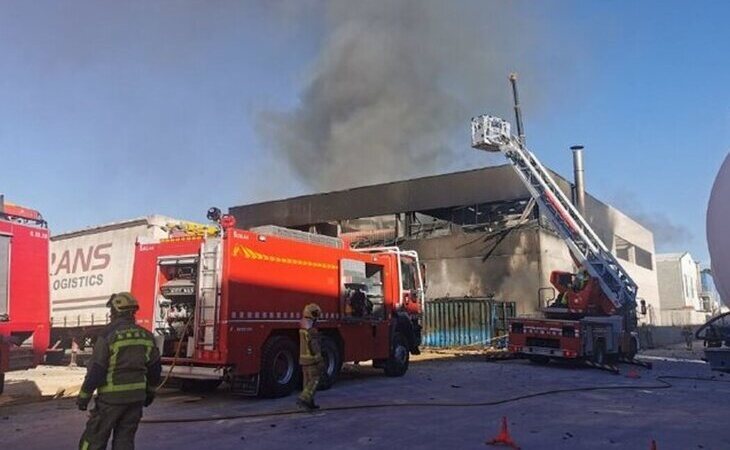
(123, 302)
(312, 311)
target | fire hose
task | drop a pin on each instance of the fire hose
(662, 384)
(177, 353)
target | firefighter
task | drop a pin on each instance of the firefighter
(124, 370)
(310, 355)
(358, 301)
(580, 281)
(688, 335)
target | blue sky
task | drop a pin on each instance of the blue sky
(111, 110)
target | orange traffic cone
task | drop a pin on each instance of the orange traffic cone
(653, 445)
(633, 373)
(503, 437)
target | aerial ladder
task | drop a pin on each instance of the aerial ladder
(594, 316)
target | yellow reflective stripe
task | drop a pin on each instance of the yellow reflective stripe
(123, 387)
(114, 348)
(85, 445)
(127, 342)
(83, 394)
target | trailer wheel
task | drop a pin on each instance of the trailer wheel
(332, 360)
(599, 352)
(397, 364)
(279, 367)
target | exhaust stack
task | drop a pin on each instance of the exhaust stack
(579, 191)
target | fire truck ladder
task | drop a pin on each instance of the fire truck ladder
(493, 134)
(208, 294)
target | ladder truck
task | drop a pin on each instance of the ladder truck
(593, 317)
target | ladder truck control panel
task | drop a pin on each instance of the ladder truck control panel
(593, 316)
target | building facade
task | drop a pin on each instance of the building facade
(478, 232)
(680, 290)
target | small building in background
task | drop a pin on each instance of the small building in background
(681, 297)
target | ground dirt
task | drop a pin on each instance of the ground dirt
(689, 415)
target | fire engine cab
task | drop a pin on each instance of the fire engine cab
(227, 306)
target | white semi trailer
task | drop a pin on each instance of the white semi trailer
(87, 266)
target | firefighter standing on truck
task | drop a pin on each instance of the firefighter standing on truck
(124, 370)
(310, 355)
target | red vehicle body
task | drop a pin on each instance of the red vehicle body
(24, 292)
(228, 307)
(580, 324)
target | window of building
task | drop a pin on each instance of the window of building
(623, 249)
(643, 258)
(632, 253)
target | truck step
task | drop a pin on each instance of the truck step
(607, 367)
(245, 385)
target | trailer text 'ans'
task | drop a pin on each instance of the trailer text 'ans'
(89, 265)
(228, 307)
(24, 299)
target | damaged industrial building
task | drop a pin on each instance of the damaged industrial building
(478, 232)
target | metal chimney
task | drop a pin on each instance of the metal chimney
(579, 191)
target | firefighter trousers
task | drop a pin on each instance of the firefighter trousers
(310, 375)
(107, 418)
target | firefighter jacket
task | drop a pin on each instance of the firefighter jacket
(125, 366)
(310, 351)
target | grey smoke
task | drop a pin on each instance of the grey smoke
(392, 90)
(668, 235)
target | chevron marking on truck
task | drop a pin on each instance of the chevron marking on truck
(241, 251)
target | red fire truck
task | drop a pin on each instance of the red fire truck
(227, 307)
(24, 297)
(593, 318)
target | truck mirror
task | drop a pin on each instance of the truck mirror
(423, 276)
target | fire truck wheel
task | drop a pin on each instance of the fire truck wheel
(279, 368)
(332, 363)
(539, 359)
(2, 382)
(397, 364)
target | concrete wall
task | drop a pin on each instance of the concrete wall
(680, 317)
(608, 222)
(456, 266)
(671, 286)
(679, 290)
(516, 269)
(554, 255)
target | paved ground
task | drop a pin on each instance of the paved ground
(41, 381)
(690, 415)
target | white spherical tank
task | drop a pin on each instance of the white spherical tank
(718, 231)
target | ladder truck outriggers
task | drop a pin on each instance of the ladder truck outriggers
(593, 317)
